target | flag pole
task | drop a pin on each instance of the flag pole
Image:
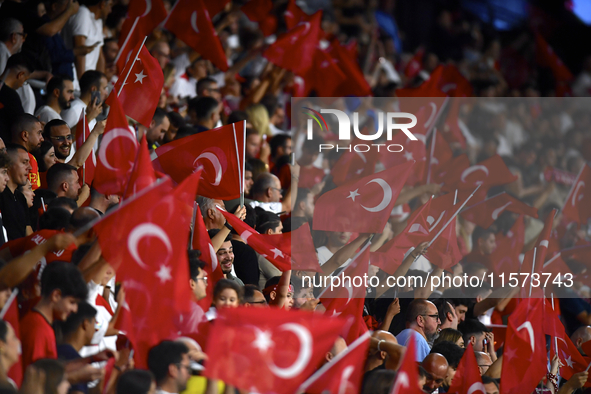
(240, 165)
(43, 205)
(9, 301)
(555, 338)
(431, 157)
(533, 267)
(454, 215)
(127, 38)
(195, 205)
(572, 189)
(243, 163)
(83, 141)
(132, 64)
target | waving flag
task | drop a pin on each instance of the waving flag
(577, 207)
(142, 174)
(407, 378)
(467, 379)
(484, 213)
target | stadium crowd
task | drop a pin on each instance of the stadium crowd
(70, 319)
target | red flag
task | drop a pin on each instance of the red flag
(450, 81)
(524, 362)
(274, 247)
(142, 174)
(219, 151)
(452, 131)
(467, 379)
(268, 350)
(9, 314)
(577, 207)
(444, 251)
(390, 255)
(570, 357)
(214, 7)
(353, 165)
(293, 14)
(440, 154)
(116, 154)
(143, 16)
(141, 77)
(326, 77)
(556, 266)
(356, 84)
(257, 10)
(86, 172)
(303, 253)
(546, 57)
(189, 20)
(505, 257)
(414, 151)
(415, 64)
(202, 242)
(362, 206)
(407, 379)
(488, 173)
(303, 38)
(484, 213)
(344, 373)
(579, 253)
(146, 241)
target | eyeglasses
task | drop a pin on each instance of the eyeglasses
(187, 367)
(63, 138)
(436, 317)
(258, 302)
(204, 279)
(279, 190)
(24, 35)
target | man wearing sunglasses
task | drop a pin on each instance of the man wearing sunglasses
(422, 321)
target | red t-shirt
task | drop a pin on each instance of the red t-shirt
(34, 173)
(37, 338)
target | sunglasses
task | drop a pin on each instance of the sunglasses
(63, 138)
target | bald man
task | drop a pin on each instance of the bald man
(435, 366)
(580, 336)
(379, 358)
(484, 362)
(339, 346)
(422, 321)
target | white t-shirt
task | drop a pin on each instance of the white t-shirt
(72, 115)
(274, 207)
(85, 24)
(184, 86)
(324, 254)
(27, 97)
(47, 114)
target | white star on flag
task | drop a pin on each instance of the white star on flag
(140, 77)
(568, 360)
(263, 341)
(164, 273)
(353, 194)
(510, 353)
(408, 156)
(276, 252)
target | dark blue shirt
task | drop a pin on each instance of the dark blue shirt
(67, 352)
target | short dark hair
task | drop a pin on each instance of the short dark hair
(196, 265)
(82, 217)
(443, 308)
(23, 122)
(378, 381)
(249, 291)
(3, 330)
(135, 381)
(65, 277)
(74, 320)
(58, 173)
(481, 233)
(51, 124)
(4, 160)
(452, 352)
(470, 327)
(159, 115)
(204, 107)
(57, 82)
(176, 119)
(203, 84)
(214, 231)
(56, 218)
(302, 195)
(277, 142)
(62, 202)
(266, 220)
(237, 116)
(163, 355)
(224, 284)
(19, 61)
(90, 79)
(12, 149)
(487, 380)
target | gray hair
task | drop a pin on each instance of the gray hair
(8, 27)
(205, 204)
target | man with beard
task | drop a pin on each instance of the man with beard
(60, 135)
(225, 255)
(60, 94)
(27, 132)
(422, 321)
(13, 204)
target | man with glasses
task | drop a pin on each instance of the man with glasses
(169, 362)
(60, 135)
(484, 362)
(422, 321)
(12, 38)
(267, 193)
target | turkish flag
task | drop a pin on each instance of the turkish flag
(143, 16)
(274, 247)
(450, 81)
(9, 314)
(467, 379)
(344, 373)
(577, 207)
(303, 252)
(452, 131)
(219, 151)
(444, 251)
(570, 357)
(116, 154)
(86, 172)
(484, 213)
(268, 350)
(142, 174)
(303, 38)
(505, 258)
(439, 155)
(214, 7)
(524, 362)
(257, 10)
(141, 77)
(363, 206)
(556, 266)
(414, 151)
(356, 84)
(407, 378)
(488, 173)
(353, 165)
(540, 250)
(146, 241)
(579, 253)
(391, 254)
(546, 57)
(189, 20)
(458, 163)
(358, 267)
(325, 77)
(415, 64)
(293, 14)
(425, 90)
(202, 242)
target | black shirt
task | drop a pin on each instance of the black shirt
(11, 108)
(14, 213)
(246, 263)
